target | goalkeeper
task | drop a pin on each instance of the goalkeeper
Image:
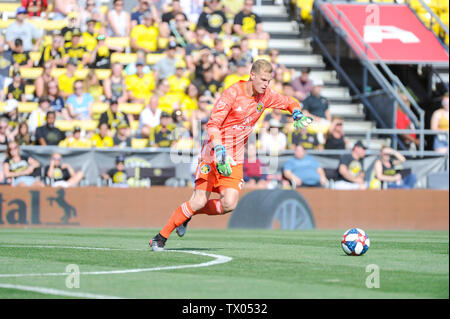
(220, 168)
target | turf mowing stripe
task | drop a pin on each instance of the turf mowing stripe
(219, 259)
(56, 292)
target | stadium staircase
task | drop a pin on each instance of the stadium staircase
(296, 52)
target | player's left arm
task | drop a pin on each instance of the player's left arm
(286, 103)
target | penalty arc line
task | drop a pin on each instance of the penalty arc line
(219, 259)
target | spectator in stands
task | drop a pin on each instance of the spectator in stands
(132, 68)
(101, 138)
(207, 85)
(57, 103)
(62, 174)
(145, 36)
(302, 137)
(236, 55)
(79, 104)
(12, 117)
(179, 82)
(249, 24)
(179, 30)
(4, 136)
(72, 24)
(440, 122)
(275, 114)
(113, 117)
(36, 8)
(137, 15)
(273, 140)
(315, 105)
(165, 67)
(404, 123)
(335, 137)
(75, 140)
(49, 134)
(16, 90)
(23, 136)
(93, 86)
(304, 170)
(89, 35)
(115, 87)
(101, 55)
(5, 66)
(63, 8)
(351, 170)
(41, 83)
(67, 80)
(202, 112)
(19, 56)
(213, 19)
(163, 134)
(189, 103)
(54, 52)
(119, 20)
(76, 50)
(302, 84)
(247, 53)
(385, 169)
(23, 30)
(232, 7)
(90, 12)
(277, 81)
(38, 116)
(122, 137)
(19, 170)
(117, 175)
(254, 176)
(149, 117)
(192, 9)
(140, 85)
(195, 47)
(241, 73)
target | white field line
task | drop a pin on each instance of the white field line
(218, 259)
(56, 292)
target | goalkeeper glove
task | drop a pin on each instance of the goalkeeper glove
(223, 161)
(300, 119)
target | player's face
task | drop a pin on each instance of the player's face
(260, 81)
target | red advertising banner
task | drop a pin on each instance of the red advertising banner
(391, 30)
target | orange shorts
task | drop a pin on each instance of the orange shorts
(208, 178)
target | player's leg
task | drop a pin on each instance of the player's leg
(197, 202)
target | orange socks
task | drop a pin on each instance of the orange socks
(184, 212)
(179, 216)
(212, 207)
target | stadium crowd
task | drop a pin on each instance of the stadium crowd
(113, 78)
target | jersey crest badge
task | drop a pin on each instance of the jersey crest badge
(259, 107)
(205, 169)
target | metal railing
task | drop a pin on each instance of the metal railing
(392, 86)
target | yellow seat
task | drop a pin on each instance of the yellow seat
(123, 58)
(48, 24)
(5, 23)
(9, 7)
(99, 107)
(87, 125)
(103, 73)
(139, 142)
(131, 108)
(264, 57)
(64, 125)
(118, 42)
(30, 73)
(57, 72)
(258, 43)
(27, 107)
(153, 58)
(81, 73)
(286, 76)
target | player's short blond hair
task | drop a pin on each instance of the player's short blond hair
(260, 66)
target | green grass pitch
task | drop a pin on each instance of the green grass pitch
(234, 264)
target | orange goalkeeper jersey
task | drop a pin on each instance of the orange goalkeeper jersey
(235, 113)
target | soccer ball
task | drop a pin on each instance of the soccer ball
(355, 242)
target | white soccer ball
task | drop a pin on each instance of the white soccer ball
(355, 242)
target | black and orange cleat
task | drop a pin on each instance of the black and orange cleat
(157, 243)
